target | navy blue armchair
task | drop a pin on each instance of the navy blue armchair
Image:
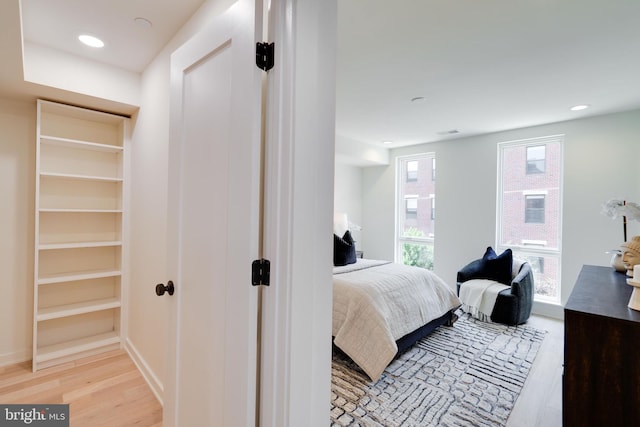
(513, 306)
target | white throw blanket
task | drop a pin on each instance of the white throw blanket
(478, 296)
(376, 302)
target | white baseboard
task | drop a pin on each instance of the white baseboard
(147, 373)
(555, 311)
(15, 357)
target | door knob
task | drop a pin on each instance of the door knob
(161, 288)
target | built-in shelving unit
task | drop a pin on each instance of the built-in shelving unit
(80, 236)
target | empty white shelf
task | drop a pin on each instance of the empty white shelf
(80, 210)
(68, 348)
(81, 181)
(75, 143)
(60, 278)
(52, 246)
(77, 308)
(79, 177)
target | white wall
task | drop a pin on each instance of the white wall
(600, 162)
(17, 215)
(378, 214)
(347, 196)
(350, 151)
(54, 68)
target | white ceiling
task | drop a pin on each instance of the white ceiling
(480, 65)
(128, 44)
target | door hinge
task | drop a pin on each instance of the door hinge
(260, 272)
(264, 56)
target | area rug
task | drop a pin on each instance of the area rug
(469, 374)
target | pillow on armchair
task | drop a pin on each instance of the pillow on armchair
(506, 296)
(497, 267)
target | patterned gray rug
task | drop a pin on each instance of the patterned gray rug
(466, 375)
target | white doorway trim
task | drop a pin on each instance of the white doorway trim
(296, 325)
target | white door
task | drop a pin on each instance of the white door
(214, 184)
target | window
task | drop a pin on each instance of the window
(537, 263)
(412, 171)
(433, 207)
(415, 210)
(534, 209)
(536, 159)
(433, 169)
(529, 208)
(411, 203)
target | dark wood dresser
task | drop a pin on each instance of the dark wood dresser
(601, 382)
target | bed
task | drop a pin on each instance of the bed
(382, 308)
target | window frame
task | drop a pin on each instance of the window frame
(525, 248)
(401, 206)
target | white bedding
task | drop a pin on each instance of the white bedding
(377, 302)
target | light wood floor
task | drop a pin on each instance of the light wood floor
(103, 390)
(540, 402)
(108, 390)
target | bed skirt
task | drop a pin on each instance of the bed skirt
(411, 338)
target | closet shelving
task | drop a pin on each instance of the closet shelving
(80, 236)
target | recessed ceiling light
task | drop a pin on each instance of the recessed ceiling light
(449, 132)
(90, 40)
(387, 142)
(579, 107)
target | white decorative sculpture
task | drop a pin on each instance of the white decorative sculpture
(631, 254)
(634, 301)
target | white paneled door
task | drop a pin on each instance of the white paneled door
(214, 196)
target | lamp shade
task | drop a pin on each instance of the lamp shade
(340, 223)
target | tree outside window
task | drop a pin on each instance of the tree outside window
(415, 210)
